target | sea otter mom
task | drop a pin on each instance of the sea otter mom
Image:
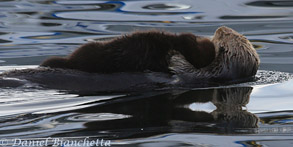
(228, 56)
(147, 60)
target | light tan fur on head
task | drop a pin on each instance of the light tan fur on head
(240, 58)
(235, 57)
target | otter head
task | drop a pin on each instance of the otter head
(235, 53)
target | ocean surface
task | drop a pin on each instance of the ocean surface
(259, 114)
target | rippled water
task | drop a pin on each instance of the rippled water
(239, 115)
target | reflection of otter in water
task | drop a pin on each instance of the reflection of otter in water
(172, 112)
(228, 56)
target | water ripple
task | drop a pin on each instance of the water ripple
(167, 6)
(97, 117)
(271, 3)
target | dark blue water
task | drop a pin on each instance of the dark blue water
(259, 114)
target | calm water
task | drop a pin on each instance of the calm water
(237, 115)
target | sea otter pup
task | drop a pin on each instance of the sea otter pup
(137, 52)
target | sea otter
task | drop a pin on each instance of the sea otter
(137, 52)
(148, 60)
(229, 55)
(236, 59)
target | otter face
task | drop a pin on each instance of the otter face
(240, 59)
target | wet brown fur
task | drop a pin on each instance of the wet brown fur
(136, 52)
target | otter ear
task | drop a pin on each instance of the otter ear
(55, 62)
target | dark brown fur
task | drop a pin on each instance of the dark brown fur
(139, 51)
